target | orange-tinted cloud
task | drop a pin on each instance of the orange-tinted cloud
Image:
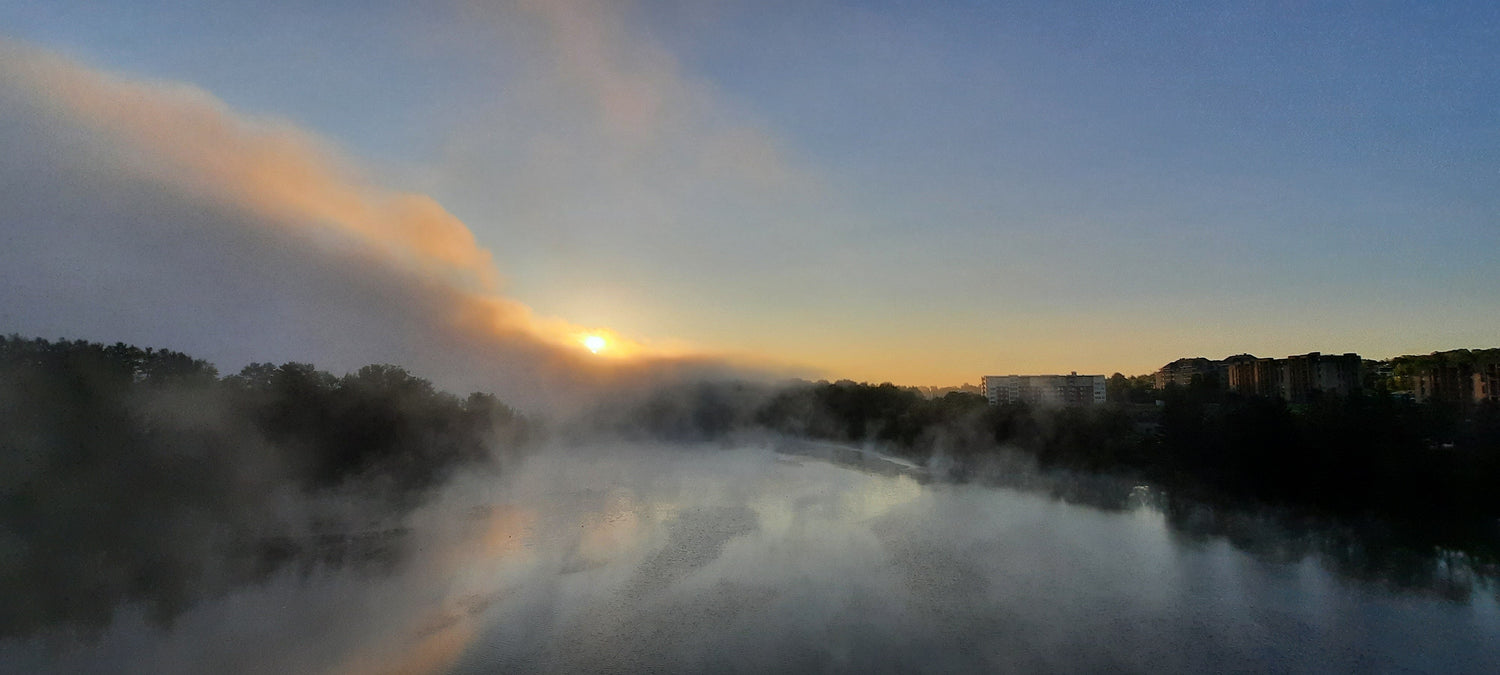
(272, 175)
(191, 141)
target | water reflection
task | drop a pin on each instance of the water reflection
(617, 559)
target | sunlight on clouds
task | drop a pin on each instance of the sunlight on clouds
(188, 140)
(193, 144)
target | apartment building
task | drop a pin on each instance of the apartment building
(1293, 378)
(1053, 390)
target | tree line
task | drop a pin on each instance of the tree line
(1428, 468)
(131, 474)
(143, 475)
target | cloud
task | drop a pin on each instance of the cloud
(642, 104)
(617, 162)
(153, 213)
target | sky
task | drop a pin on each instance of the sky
(919, 193)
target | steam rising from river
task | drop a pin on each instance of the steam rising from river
(610, 557)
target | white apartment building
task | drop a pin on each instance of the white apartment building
(1071, 389)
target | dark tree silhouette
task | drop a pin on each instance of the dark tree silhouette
(139, 475)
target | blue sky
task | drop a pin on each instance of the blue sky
(916, 192)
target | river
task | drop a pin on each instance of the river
(631, 558)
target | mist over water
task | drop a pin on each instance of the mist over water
(627, 221)
(627, 557)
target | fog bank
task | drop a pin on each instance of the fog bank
(153, 213)
(621, 558)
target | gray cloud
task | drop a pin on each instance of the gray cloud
(151, 213)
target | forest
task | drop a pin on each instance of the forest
(141, 474)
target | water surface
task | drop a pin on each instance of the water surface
(623, 558)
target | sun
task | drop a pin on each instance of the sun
(594, 343)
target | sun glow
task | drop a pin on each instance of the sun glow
(605, 344)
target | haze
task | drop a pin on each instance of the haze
(610, 557)
(680, 251)
(919, 194)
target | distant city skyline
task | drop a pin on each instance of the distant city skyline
(913, 193)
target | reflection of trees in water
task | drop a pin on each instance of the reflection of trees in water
(1399, 488)
(140, 476)
(76, 588)
(1370, 552)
